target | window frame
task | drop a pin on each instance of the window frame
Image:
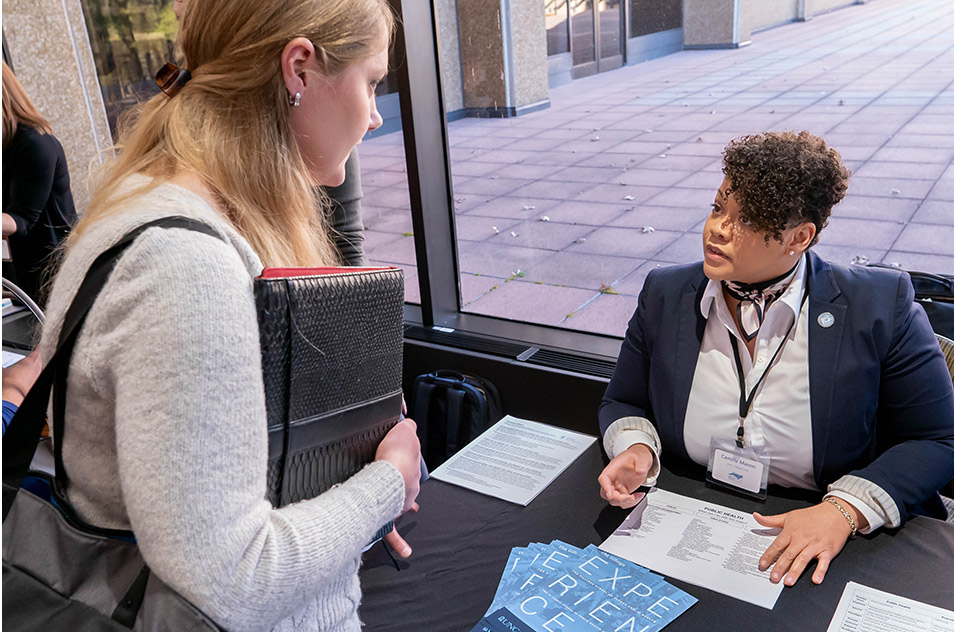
(425, 130)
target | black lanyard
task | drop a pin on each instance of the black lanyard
(746, 401)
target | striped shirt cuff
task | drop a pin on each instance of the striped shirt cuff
(869, 499)
(628, 431)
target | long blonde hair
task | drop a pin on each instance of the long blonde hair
(18, 108)
(230, 124)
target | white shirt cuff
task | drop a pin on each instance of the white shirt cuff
(627, 431)
(869, 499)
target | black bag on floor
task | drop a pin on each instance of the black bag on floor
(451, 409)
(934, 293)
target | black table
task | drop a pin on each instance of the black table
(462, 540)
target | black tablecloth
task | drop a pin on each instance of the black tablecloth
(461, 541)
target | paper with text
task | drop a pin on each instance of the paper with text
(863, 608)
(699, 543)
(514, 459)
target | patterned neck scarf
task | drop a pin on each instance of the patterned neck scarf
(754, 300)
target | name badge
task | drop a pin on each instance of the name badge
(745, 470)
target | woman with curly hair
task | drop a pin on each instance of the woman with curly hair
(769, 364)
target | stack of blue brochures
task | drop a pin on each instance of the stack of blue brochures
(558, 586)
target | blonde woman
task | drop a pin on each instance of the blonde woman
(166, 430)
(37, 203)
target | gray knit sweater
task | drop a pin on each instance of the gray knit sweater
(166, 430)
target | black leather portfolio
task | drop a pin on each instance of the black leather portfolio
(332, 365)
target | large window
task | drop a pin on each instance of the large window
(535, 213)
(544, 224)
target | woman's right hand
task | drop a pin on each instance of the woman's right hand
(626, 472)
(401, 448)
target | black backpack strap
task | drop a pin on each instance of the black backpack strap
(23, 434)
(454, 422)
(421, 409)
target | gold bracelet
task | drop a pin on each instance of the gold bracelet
(846, 514)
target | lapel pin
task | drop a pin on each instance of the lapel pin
(825, 319)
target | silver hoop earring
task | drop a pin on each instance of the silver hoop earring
(295, 100)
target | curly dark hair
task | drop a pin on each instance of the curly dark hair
(784, 178)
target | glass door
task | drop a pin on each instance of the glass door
(597, 42)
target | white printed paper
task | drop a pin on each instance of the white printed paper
(10, 358)
(699, 543)
(863, 608)
(514, 459)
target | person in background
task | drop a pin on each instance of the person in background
(18, 379)
(766, 349)
(348, 232)
(165, 400)
(37, 203)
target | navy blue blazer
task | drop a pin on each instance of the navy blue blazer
(881, 399)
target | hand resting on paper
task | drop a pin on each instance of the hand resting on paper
(817, 532)
(401, 448)
(624, 474)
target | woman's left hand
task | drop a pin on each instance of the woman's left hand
(817, 532)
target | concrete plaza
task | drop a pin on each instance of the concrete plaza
(561, 213)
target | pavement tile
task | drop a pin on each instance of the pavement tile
(671, 162)
(632, 284)
(503, 155)
(915, 154)
(685, 249)
(521, 208)
(387, 197)
(843, 231)
(697, 199)
(581, 270)
(890, 187)
(943, 141)
(922, 262)
(386, 221)
(376, 178)
(845, 255)
(607, 314)
(556, 158)
(942, 190)
(640, 147)
(926, 238)
(473, 286)
(878, 208)
(539, 234)
(497, 260)
(470, 168)
(934, 212)
(905, 170)
(464, 202)
(481, 228)
(597, 175)
(615, 193)
(587, 213)
(626, 242)
(653, 177)
(519, 300)
(554, 190)
(491, 185)
(398, 250)
(702, 180)
(536, 144)
(660, 218)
